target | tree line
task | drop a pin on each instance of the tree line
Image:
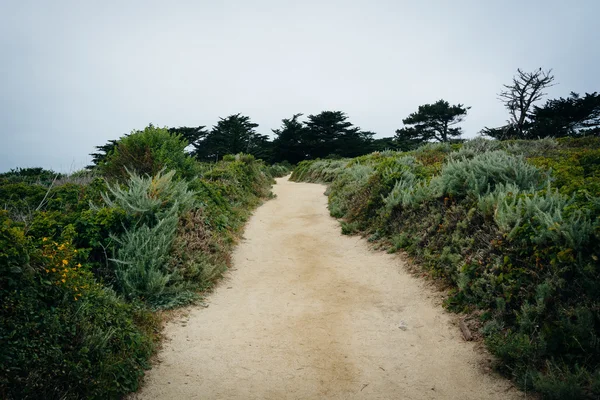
(331, 134)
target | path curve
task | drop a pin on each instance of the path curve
(307, 313)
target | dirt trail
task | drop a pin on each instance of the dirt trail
(307, 313)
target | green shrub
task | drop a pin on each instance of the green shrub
(21, 199)
(62, 335)
(279, 170)
(32, 176)
(147, 152)
(198, 254)
(149, 199)
(530, 148)
(474, 147)
(480, 174)
(548, 217)
(46, 211)
(574, 165)
(407, 192)
(349, 181)
(141, 260)
(150, 261)
(375, 191)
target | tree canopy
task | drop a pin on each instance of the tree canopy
(328, 133)
(574, 116)
(437, 121)
(192, 135)
(289, 143)
(331, 134)
(233, 134)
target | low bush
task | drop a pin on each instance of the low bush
(83, 260)
(317, 170)
(279, 170)
(147, 152)
(481, 173)
(62, 334)
(154, 204)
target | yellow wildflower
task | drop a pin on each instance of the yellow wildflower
(53, 269)
(65, 262)
(63, 280)
(79, 265)
(44, 239)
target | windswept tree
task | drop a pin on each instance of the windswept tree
(330, 133)
(290, 141)
(574, 116)
(261, 147)
(432, 122)
(233, 134)
(102, 152)
(192, 135)
(326, 134)
(519, 98)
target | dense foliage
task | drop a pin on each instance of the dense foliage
(513, 226)
(146, 153)
(329, 133)
(575, 116)
(85, 258)
(437, 121)
(234, 134)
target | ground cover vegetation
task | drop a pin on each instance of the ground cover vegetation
(512, 226)
(86, 259)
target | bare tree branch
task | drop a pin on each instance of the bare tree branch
(526, 89)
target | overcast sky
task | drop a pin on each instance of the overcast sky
(74, 74)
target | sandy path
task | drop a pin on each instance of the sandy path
(307, 313)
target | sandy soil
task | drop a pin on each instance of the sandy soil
(307, 313)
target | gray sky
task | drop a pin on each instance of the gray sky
(74, 74)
